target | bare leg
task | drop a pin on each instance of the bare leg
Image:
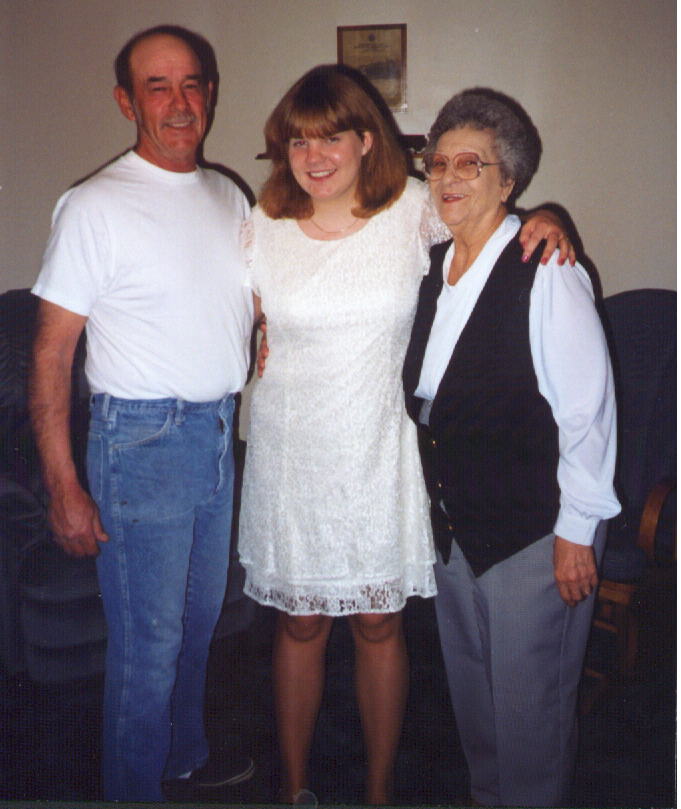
(382, 673)
(298, 664)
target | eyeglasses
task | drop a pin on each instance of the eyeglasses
(466, 165)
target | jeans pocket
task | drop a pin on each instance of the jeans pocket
(150, 459)
(137, 430)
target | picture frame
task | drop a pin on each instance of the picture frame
(380, 53)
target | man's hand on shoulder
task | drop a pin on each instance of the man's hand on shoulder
(263, 349)
(544, 224)
(74, 518)
(575, 570)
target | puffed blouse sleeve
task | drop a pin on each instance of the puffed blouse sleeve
(247, 239)
(432, 230)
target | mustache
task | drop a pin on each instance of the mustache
(180, 119)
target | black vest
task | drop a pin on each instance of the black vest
(491, 451)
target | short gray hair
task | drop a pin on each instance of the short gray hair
(516, 139)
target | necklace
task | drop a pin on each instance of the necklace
(333, 232)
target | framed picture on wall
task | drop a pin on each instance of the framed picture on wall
(380, 53)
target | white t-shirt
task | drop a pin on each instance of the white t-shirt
(153, 259)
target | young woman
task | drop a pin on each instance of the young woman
(334, 516)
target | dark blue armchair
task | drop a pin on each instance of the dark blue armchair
(641, 329)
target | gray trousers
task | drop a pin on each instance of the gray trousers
(513, 651)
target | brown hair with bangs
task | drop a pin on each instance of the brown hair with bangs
(327, 100)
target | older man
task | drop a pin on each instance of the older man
(144, 255)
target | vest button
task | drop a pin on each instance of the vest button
(439, 484)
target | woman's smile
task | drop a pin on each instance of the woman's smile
(327, 168)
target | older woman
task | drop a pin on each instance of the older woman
(334, 518)
(507, 374)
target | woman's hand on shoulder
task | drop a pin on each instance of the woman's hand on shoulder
(544, 224)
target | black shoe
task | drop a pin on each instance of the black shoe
(224, 771)
(304, 797)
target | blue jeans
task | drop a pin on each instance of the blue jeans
(162, 473)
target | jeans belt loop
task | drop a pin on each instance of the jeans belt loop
(179, 411)
(106, 401)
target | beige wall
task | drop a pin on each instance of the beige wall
(597, 76)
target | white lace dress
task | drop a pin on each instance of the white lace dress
(334, 516)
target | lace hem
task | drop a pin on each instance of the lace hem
(350, 599)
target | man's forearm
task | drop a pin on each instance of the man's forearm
(50, 408)
(73, 515)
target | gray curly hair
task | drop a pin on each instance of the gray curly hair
(516, 139)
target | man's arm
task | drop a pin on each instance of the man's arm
(73, 515)
(261, 324)
(544, 224)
